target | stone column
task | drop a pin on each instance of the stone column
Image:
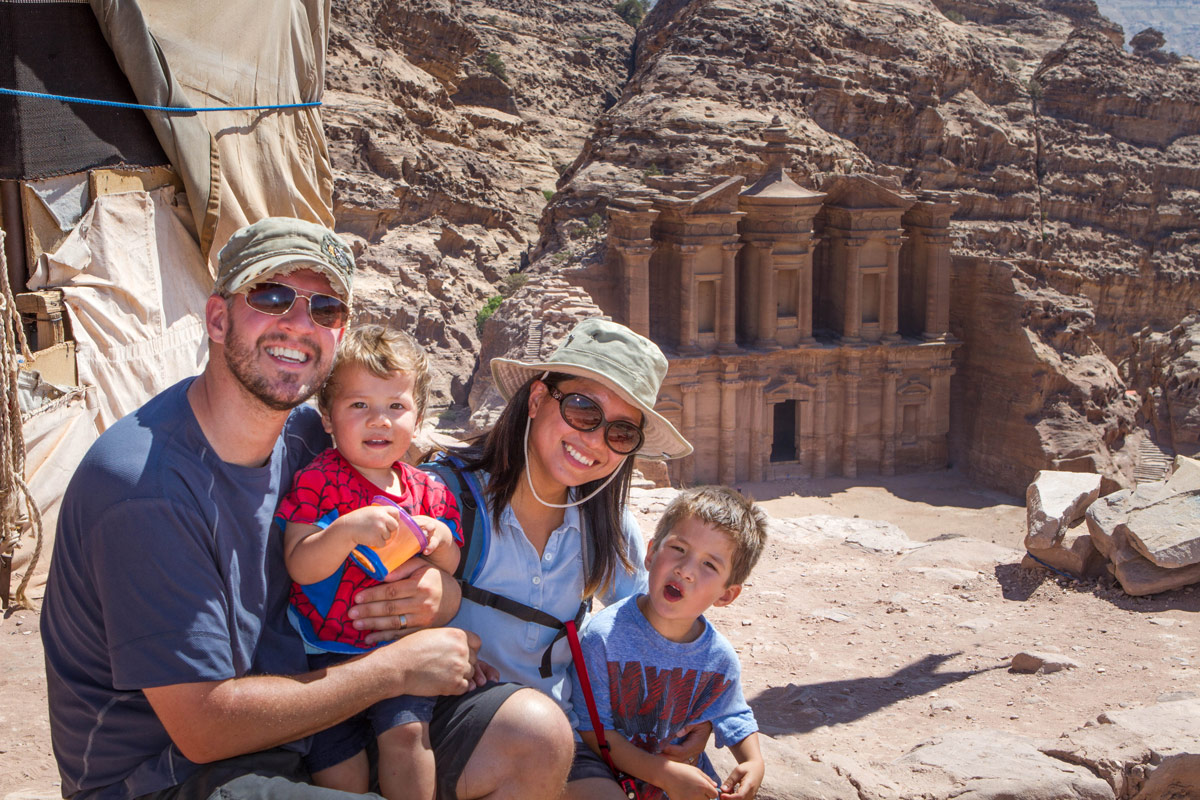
(887, 421)
(820, 424)
(852, 313)
(850, 380)
(687, 469)
(890, 313)
(687, 298)
(939, 412)
(937, 285)
(768, 306)
(804, 313)
(635, 272)
(727, 303)
(758, 453)
(727, 456)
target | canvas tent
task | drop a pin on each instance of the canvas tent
(91, 215)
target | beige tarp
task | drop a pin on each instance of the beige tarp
(57, 434)
(134, 286)
(237, 166)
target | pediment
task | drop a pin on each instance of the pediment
(858, 192)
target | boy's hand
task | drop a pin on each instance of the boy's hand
(743, 782)
(370, 525)
(685, 782)
(691, 745)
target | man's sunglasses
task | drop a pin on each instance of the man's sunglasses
(584, 414)
(277, 299)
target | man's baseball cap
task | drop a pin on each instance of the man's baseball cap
(279, 245)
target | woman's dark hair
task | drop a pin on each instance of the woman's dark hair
(501, 453)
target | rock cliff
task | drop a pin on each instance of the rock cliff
(446, 122)
(1074, 165)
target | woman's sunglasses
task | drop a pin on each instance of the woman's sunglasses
(584, 414)
(277, 299)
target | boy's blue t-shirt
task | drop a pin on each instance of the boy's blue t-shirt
(648, 688)
(166, 570)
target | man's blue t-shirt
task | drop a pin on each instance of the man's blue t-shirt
(648, 688)
(166, 570)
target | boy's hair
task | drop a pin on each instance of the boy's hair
(381, 352)
(726, 510)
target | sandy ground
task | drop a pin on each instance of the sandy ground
(847, 650)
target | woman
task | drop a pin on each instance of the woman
(556, 470)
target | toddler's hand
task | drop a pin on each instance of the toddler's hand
(371, 525)
(436, 532)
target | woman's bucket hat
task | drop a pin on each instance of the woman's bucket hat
(609, 353)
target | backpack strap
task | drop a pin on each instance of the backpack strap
(476, 534)
(475, 523)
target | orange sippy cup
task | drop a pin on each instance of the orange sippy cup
(403, 544)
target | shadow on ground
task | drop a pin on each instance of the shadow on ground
(945, 487)
(1020, 584)
(796, 708)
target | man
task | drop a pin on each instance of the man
(172, 673)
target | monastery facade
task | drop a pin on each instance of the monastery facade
(807, 331)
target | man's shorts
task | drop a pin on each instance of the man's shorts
(457, 726)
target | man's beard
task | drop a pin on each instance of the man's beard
(282, 394)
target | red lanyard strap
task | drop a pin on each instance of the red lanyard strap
(627, 784)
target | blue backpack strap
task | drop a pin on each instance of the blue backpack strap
(476, 523)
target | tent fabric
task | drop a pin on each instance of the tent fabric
(237, 166)
(58, 432)
(58, 48)
(134, 286)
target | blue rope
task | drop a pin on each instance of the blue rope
(168, 109)
(1066, 575)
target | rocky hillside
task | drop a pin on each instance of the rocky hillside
(447, 122)
(1075, 164)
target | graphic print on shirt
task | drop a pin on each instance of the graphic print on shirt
(651, 705)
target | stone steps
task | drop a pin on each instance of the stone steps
(1153, 462)
(533, 341)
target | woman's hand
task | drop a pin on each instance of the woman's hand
(413, 596)
(695, 739)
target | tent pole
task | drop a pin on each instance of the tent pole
(12, 220)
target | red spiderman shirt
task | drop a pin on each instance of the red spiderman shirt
(321, 492)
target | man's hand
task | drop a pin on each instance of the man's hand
(685, 782)
(430, 663)
(695, 739)
(424, 596)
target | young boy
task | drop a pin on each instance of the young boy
(655, 663)
(371, 404)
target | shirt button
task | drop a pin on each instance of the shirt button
(546, 557)
(536, 580)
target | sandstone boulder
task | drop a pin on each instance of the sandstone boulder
(998, 765)
(1055, 500)
(1044, 663)
(1176, 778)
(1075, 553)
(1167, 532)
(1104, 515)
